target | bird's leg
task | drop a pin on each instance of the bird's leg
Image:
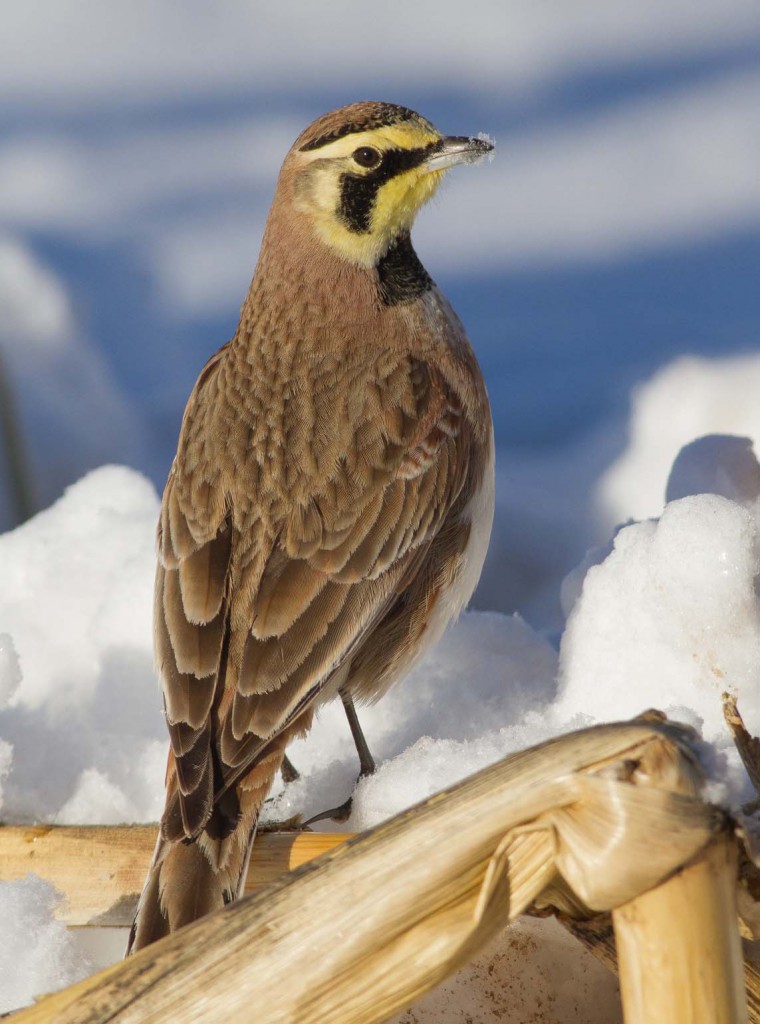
(366, 762)
(288, 770)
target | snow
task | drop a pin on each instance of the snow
(686, 399)
(666, 615)
(78, 695)
(436, 726)
(669, 619)
(37, 954)
(81, 565)
(605, 265)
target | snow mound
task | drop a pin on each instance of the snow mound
(667, 615)
(670, 617)
(478, 695)
(716, 464)
(77, 583)
(687, 399)
(37, 953)
(78, 694)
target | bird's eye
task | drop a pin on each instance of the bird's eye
(366, 156)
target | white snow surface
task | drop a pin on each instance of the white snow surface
(79, 701)
(35, 948)
(665, 616)
(686, 399)
(670, 619)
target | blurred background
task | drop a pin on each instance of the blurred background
(606, 264)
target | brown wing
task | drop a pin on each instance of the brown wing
(262, 599)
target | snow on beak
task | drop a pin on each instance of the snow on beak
(457, 149)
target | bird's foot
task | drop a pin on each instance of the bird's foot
(339, 814)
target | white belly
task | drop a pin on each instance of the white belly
(479, 511)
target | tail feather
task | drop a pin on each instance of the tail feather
(182, 886)
(195, 874)
(191, 876)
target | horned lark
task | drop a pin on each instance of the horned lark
(330, 504)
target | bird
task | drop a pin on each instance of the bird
(330, 504)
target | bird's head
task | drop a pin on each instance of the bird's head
(360, 174)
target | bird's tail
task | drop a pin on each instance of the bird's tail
(183, 885)
(191, 876)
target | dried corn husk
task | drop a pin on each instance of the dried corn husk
(597, 816)
(100, 869)
(679, 952)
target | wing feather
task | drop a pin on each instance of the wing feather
(203, 578)
(266, 664)
(256, 615)
(196, 647)
(288, 587)
(182, 542)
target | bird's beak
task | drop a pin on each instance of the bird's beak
(457, 149)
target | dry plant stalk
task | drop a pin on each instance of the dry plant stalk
(100, 869)
(598, 937)
(595, 818)
(679, 952)
(747, 744)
